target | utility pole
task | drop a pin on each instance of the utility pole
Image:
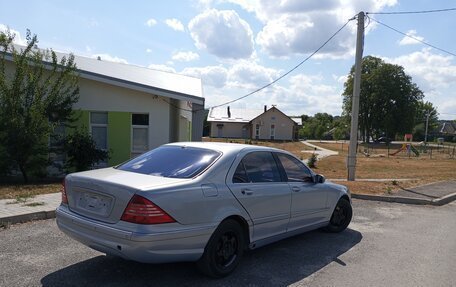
(426, 131)
(351, 160)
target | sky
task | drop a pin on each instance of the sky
(237, 46)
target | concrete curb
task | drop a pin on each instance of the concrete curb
(39, 215)
(444, 199)
(407, 200)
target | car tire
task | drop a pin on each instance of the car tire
(341, 216)
(223, 251)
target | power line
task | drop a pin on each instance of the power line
(411, 37)
(413, 12)
(274, 81)
(287, 73)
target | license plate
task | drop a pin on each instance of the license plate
(95, 203)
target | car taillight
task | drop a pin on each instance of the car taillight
(64, 194)
(140, 210)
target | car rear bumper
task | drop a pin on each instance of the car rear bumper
(181, 244)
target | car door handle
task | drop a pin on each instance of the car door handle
(247, 191)
(296, 188)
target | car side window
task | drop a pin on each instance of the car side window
(296, 171)
(261, 167)
(240, 175)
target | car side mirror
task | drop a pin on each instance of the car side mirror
(318, 178)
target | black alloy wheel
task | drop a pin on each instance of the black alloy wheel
(224, 250)
(341, 216)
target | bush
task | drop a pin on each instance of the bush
(312, 161)
(82, 152)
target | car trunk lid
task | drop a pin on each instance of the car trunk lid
(103, 194)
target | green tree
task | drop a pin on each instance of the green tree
(37, 92)
(423, 110)
(388, 99)
(341, 128)
(315, 127)
(82, 152)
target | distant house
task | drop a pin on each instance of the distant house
(447, 128)
(266, 124)
(130, 109)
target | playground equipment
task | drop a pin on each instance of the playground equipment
(407, 146)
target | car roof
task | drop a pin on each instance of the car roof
(224, 147)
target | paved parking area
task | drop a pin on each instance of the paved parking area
(430, 191)
(388, 244)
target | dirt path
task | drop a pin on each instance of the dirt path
(319, 151)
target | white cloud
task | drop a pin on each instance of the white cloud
(340, 79)
(17, 36)
(215, 76)
(162, 68)
(151, 22)
(431, 70)
(109, 58)
(185, 56)
(410, 41)
(309, 95)
(300, 34)
(175, 24)
(148, 50)
(301, 94)
(296, 95)
(222, 33)
(250, 75)
(294, 27)
(434, 74)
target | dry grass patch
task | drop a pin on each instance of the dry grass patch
(422, 169)
(27, 190)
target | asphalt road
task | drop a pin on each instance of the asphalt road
(387, 244)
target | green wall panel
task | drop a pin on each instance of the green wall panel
(119, 137)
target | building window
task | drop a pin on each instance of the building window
(139, 134)
(272, 131)
(57, 136)
(257, 131)
(99, 129)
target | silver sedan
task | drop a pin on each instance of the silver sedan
(203, 202)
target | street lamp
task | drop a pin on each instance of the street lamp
(426, 130)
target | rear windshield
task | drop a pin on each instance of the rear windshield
(172, 161)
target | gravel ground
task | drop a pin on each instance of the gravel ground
(387, 244)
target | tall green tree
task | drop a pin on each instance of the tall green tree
(388, 99)
(341, 128)
(37, 92)
(315, 127)
(425, 110)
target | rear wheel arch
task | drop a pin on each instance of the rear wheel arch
(244, 225)
(345, 197)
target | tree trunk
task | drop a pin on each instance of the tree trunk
(24, 173)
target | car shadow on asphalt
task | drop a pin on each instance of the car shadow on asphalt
(279, 264)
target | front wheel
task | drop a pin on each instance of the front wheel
(341, 216)
(224, 250)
